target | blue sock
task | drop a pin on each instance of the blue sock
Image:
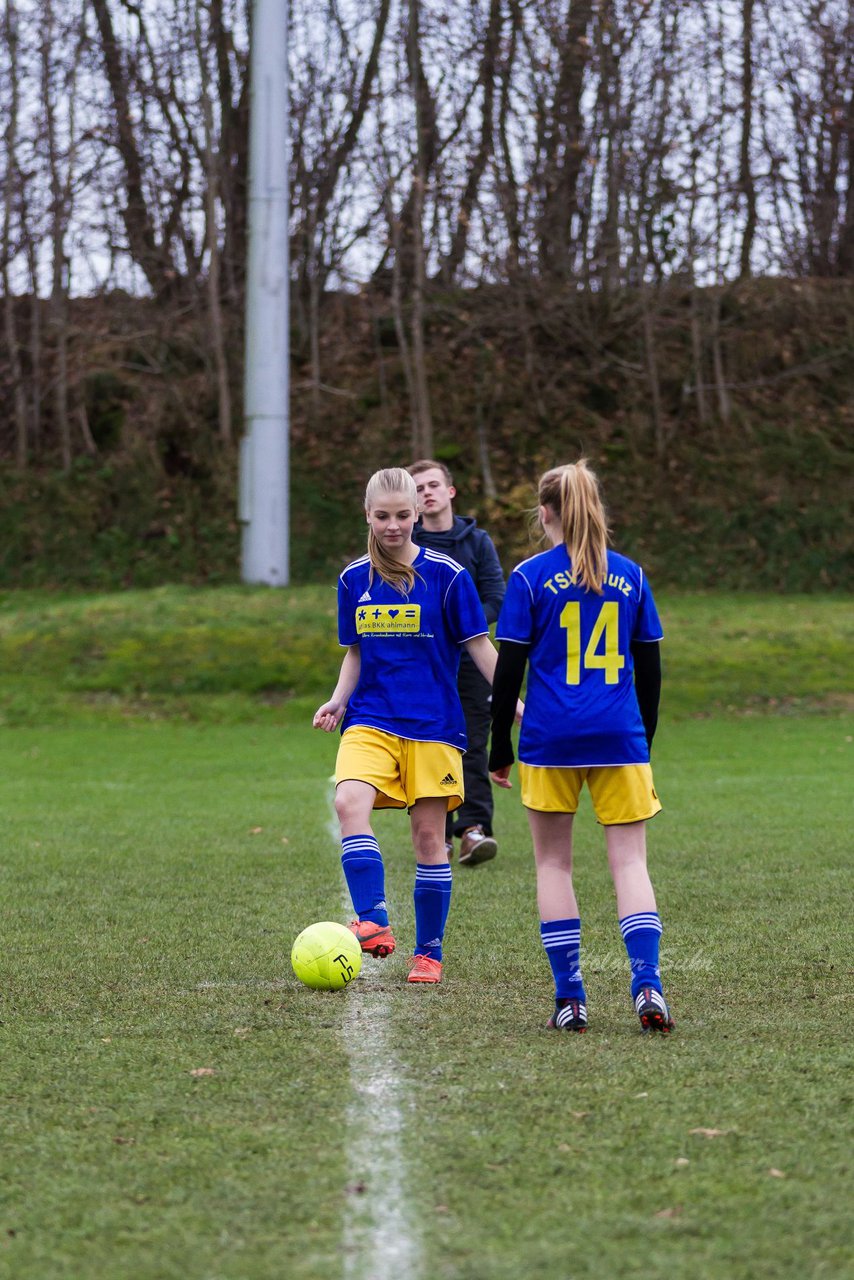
(432, 902)
(642, 934)
(365, 876)
(562, 941)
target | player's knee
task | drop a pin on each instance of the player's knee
(347, 804)
(427, 840)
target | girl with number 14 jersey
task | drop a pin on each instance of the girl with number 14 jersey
(584, 621)
(581, 708)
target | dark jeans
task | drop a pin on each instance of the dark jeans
(477, 808)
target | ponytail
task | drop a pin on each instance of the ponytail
(572, 492)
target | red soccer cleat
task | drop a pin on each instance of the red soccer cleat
(376, 939)
(424, 969)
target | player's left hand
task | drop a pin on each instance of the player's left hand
(520, 711)
(501, 777)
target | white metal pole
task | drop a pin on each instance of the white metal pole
(264, 460)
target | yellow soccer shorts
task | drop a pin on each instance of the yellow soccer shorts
(620, 793)
(402, 771)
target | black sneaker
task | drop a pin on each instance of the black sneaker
(653, 1011)
(569, 1015)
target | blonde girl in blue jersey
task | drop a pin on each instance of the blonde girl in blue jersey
(584, 620)
(404, 613)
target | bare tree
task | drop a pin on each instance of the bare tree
(146, 248)
(814, 53)
(401, 333)
(846, 236)
(30, 231)
(564, 143)
(609, 42)
(232, 96)
(507, 181)
(745, 177)
(486, 78)
(61, 169)
(11, 191)
(212, 238)
(423, 128)
(325, 144)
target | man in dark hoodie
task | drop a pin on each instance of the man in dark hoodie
(460, 538)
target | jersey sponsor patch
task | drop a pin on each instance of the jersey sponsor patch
(384, 619)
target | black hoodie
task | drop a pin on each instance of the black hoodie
(474, 550)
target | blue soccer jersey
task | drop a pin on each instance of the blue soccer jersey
(580, 706)
(409, 647)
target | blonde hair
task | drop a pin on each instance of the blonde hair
(391, 481)
(572, 492)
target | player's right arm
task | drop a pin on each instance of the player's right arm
(328, 716)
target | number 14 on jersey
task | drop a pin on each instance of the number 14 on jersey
(606, 630)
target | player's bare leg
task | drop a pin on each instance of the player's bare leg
(551, 834)
(627, 860)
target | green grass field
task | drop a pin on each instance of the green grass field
(174, 1104)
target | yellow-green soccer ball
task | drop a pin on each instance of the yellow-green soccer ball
(326, 956)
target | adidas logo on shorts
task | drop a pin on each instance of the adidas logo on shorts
(448, 781)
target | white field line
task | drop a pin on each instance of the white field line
(380, 1238)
